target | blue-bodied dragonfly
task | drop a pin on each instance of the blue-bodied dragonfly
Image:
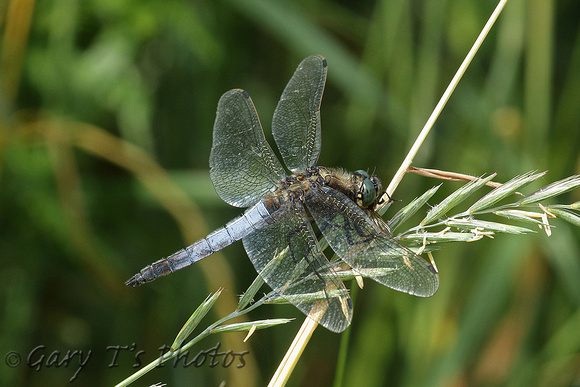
(277, 228)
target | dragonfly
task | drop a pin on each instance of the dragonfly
(284, 209)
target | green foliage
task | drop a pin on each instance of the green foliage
(106, 113)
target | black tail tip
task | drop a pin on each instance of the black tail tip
(134, 281)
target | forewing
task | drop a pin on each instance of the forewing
(366, 247)
(287, 256)
(243, 167)
(296, 121)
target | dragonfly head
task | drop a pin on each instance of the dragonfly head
(368, 188)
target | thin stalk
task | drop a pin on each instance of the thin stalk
(293, 354)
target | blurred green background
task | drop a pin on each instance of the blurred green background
(106, 114)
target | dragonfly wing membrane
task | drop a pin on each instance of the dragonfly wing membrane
(243, 167)
(367, 248)
(287, 256)
(296, 121)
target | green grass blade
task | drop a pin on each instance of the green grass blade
(554, 189)
(504, 190)
(454, 199)
(410, 209)
(194, 320)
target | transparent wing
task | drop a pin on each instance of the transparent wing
(296, 121)
(243, 167)
(287, 256)
(366, 247)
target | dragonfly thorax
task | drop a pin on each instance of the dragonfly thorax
(362, 188)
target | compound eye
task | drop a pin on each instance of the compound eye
(368, 193)
(362, 173)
